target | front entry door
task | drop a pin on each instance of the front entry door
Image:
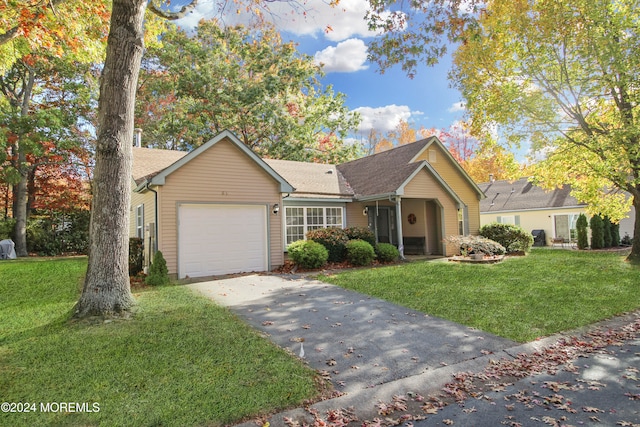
(382, 220)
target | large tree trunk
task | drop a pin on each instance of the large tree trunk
(634, 256)
(21, 189)
(106, 287)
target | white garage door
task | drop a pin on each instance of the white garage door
(221, 239)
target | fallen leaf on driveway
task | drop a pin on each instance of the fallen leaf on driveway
(591, 409)
(267, 323)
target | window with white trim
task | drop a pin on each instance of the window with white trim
(508, 219)
(300, 220)
(140, 221)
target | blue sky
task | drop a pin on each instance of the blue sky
(381, 99)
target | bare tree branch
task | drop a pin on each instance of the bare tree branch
(186, 9)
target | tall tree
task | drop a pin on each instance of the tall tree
(44, 101)
(106, 286)
(245, 80)
(563, 75)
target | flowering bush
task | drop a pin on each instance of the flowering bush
(468, 245)
(333, 239)
(361, 233)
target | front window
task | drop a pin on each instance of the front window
(300, 220)
(140, 221)
(509, 219)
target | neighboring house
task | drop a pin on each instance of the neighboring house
(222, 209)
(534, 208)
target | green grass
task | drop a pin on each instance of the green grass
(522, 298)
(180, 361)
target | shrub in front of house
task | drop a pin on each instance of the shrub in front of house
(597, 232)
(582, 226)
(606, 222)
(333, 239)
(386, 252)
(361, 233)
(469, 245)
(512, 237)
(158, 272)
(136, 255)
(360, 252)
(615, 234)
(308, 254)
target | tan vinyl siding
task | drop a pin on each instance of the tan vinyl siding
(452, 176)
(355, 218)
(222, 174)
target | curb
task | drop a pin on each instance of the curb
(361, 403)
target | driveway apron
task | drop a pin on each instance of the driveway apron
(358, 341)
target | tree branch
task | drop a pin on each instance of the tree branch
(186, 9)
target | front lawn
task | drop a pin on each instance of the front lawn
(522, 298)
(181, 360)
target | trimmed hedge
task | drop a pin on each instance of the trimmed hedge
(386, 252)
(513, 238)
(361, 233)
(308, 254)
(360, 252)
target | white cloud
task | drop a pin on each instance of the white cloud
(311, 18)
(457, 107)
(382, 119)
(346, 57)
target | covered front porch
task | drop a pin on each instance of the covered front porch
(413, 225)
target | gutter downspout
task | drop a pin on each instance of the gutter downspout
(155, 211)
(398, 201)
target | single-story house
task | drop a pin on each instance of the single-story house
(534, 208)
(222, 209)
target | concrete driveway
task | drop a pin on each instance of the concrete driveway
(360, 342)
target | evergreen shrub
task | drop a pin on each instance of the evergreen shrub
(386, 252)
(158, 272)
(582, 227)
(360, 252)
(597, 232)
(308, 254)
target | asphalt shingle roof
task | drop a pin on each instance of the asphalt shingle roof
(148, 162)
(523, 195)
(383, 172)
(312, 179)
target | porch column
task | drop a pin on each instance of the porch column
(399, 226)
